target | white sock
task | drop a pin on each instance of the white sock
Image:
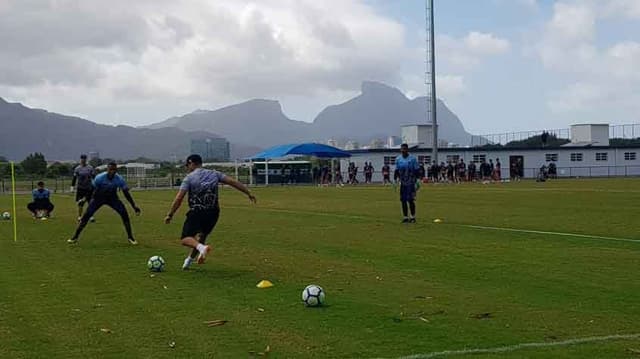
(201, 247)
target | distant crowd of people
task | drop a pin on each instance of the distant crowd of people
(449, 172)
(455, 172)
(452, 171)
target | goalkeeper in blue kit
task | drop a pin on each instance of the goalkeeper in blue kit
(407, 170)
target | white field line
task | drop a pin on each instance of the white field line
(347, 216)
(488, 188)
(588, 236)
(521, 346)
(308, 213)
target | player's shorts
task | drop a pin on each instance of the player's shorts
(201, 222)
(84, 194)
(114, 203)
(407, 192)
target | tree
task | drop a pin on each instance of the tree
(34, 164)
(59, 170)
(95, 162)
(3, 159)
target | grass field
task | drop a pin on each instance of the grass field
(393, 290)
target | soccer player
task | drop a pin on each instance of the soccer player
(41, 201)
(82, 176)
(204, 209)
(407, 167)
(105, 192)
(386, 175)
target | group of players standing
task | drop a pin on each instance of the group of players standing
(455, 172)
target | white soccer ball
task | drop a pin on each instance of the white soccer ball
(156, 264)
(313, 296)
(6, 215)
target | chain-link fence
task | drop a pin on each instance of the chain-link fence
(279, 177)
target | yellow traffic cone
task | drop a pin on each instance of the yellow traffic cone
(264, 284)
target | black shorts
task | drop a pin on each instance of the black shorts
(84, 194)
(201, 222)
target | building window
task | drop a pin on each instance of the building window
(629, 156)
(390, 160)
(479, 158)
(576, 157)
(601, 156)
(551, 157)
(453, 158)
(425, 160)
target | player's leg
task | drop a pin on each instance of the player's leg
(91, 210)
(119, 207)
(192, 236)
(32, 207)
(412, 208)
(49, 208)
(80, 200)
(196, 229)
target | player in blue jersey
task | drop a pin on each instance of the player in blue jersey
(407, 168)
(204, 209)
(41, 201)
(106, 186)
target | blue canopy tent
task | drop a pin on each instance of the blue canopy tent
(302, 149)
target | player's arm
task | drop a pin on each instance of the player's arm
(177, 202)
(239, 186)
(127, 195)
(74, 179)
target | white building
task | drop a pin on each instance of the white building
(588, 155)
(417, 135)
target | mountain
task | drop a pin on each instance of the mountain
(25, 130)
(258, 123)
(377, 112)
(251, 126)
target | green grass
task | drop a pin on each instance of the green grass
(380, 276)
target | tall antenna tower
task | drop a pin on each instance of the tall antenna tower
(430, 78)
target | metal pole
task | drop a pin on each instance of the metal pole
(250, 172)
(434, 121)
(266, 172)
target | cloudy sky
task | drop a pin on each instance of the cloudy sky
(502, 65)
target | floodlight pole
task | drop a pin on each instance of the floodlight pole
(431, 66)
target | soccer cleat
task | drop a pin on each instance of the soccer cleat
(203, 255)
(72, 241)
(412, 220)
(133, 241)
(406, 220)
(187, 263)
(92, 219)
(79, 218)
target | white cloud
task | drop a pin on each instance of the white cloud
(598, 77)
(450, 85)
(468, 52)
(120, 53)
(482, 44)
(629, 9)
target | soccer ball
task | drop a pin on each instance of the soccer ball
(155, 264)
(313, 296)
(6, 215)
